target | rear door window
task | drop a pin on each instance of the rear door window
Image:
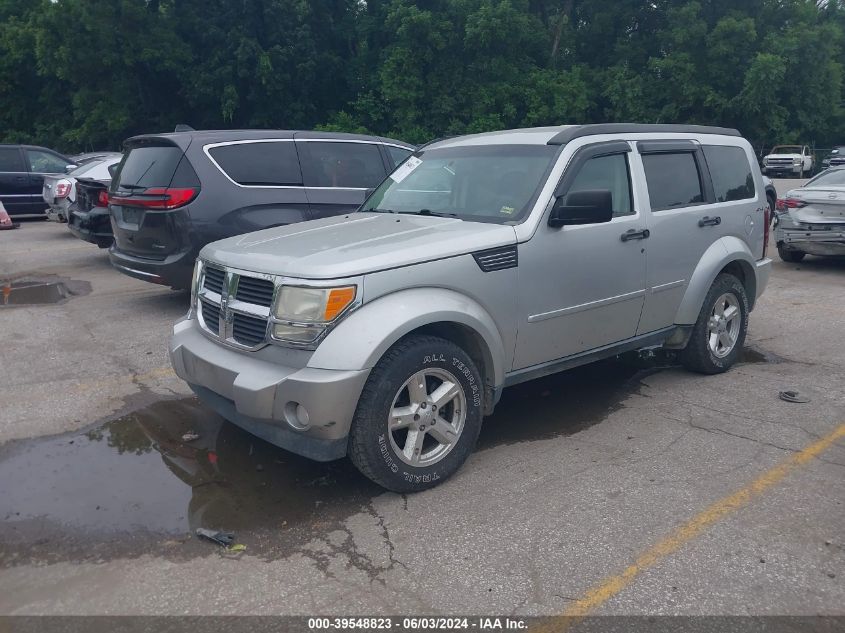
(339, 164)
(10, 159)
(259, 164)
(673, 180)
(730, 171)
(149, 166)
(41, 162)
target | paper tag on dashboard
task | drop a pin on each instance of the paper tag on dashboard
(405, 169)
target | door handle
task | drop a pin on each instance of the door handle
(708, 221)
(632, 234)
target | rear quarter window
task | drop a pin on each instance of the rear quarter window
(673, 180)
(730, 172)
(259, 164)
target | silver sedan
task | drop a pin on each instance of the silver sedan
(811, 219)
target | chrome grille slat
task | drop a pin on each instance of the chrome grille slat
(235, 307)
(214, 279)
(257, 291)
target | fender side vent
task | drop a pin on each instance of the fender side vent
(497, 258)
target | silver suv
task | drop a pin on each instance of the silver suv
(479, 263)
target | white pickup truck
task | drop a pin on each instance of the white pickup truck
(789, 160)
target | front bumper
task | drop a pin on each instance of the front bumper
(92, 226)
(781, 169)
(261, 396)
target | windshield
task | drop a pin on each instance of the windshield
(835, 177)
(480, 183)
(787, 149)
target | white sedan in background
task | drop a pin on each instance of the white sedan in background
(60, 189)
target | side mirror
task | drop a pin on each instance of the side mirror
(112, 169)
(70, 168)
(582, 207)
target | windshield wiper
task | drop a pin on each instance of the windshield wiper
(438, 214)
(429, 212)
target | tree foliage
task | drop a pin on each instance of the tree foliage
(83, 74)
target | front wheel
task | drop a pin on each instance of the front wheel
(719, 333)
(419, 415)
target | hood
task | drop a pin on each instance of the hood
(783, 156)
(358, 243)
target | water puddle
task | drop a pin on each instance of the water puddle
(30, 291)
(141, 484)
(134, 481)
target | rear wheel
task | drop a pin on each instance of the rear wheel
(719, 333)
(419, 415)
(790, 255)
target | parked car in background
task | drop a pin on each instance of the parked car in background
(59, 190)
(87, 157)
(481, 262)
(22, 171)
(811, 219)
(174, 193)
(835, 158)
(789, 160)
(88, 215)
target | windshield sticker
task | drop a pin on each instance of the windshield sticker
(507, 210)
(405, 169)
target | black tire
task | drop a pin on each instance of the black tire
(697, 355)
(370, 446)
(790, 255)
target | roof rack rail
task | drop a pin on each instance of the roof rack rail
(578, 131)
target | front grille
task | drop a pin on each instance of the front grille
(248, 330)
(214, 279)
(244, 320)
(211, 316)
(257, 291)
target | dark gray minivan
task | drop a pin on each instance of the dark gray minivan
(174, 193)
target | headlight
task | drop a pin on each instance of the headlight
(796, 161)
(302, 314)
(766, 160)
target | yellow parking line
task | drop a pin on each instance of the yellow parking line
(611, 586)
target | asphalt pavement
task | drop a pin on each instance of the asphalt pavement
(627, 487)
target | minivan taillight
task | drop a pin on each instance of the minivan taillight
(103, 199)
(157, 198)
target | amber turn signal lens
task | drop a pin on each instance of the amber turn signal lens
(339, 299)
